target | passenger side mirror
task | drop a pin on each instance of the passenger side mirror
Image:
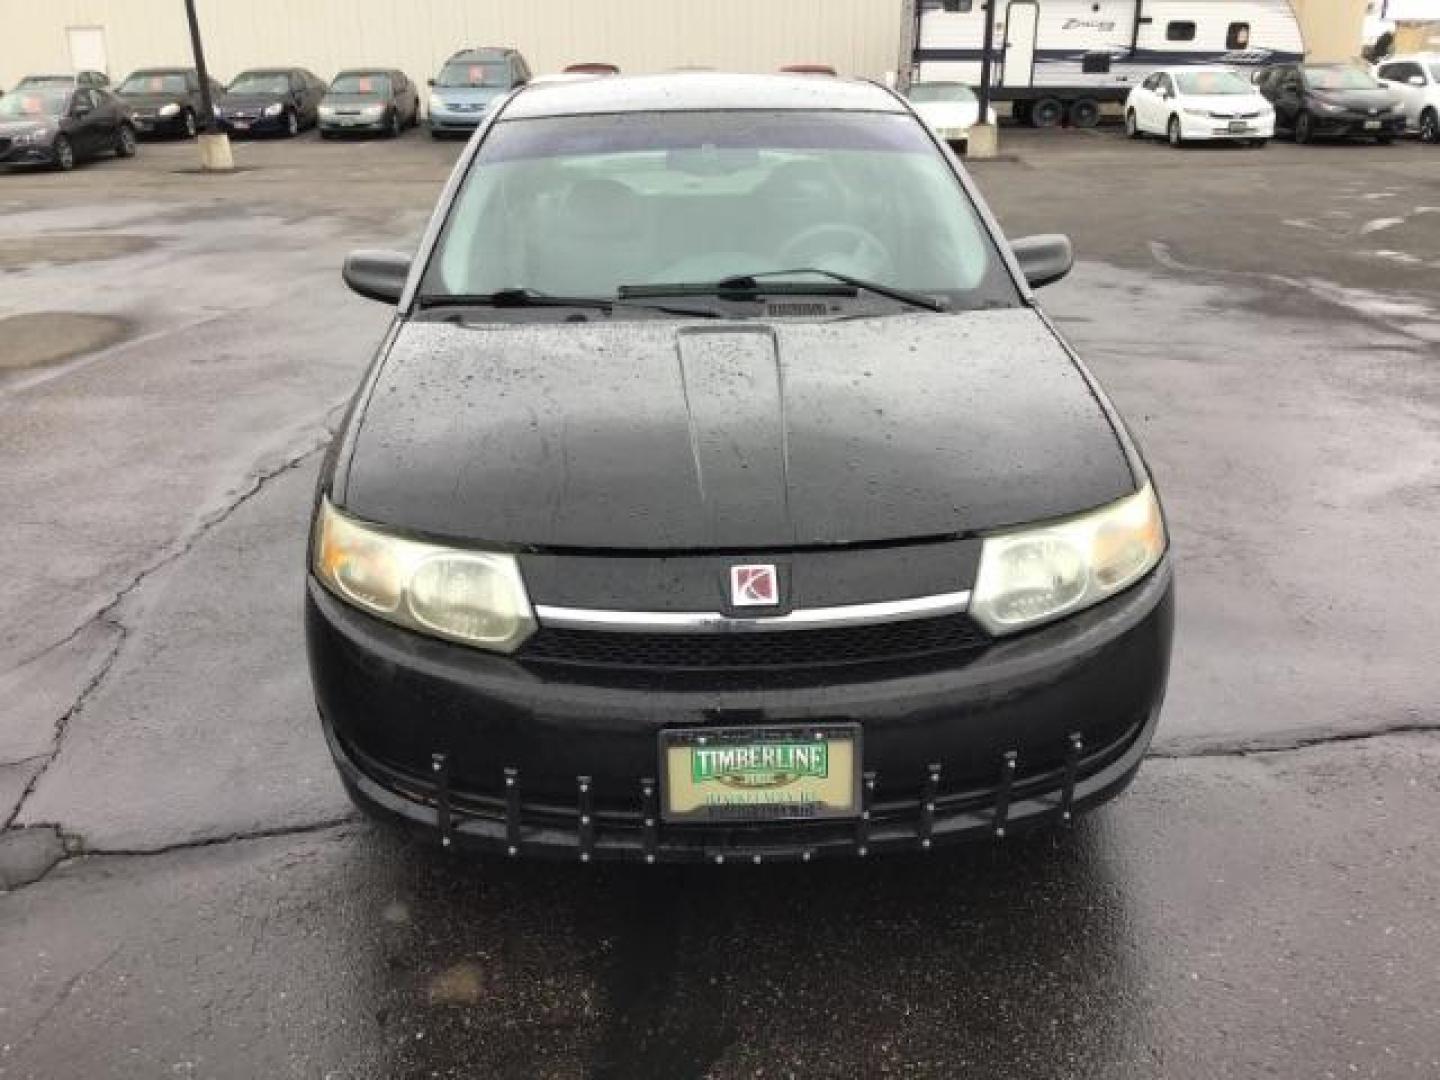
(429, 82)
(1044, 258)
(377, 275)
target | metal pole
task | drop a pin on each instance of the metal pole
(207, 107)
(986, 50)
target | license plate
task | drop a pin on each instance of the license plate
(1372, 125)
(240, 125)
(348, 121)
(729, 775)
(1239, 125)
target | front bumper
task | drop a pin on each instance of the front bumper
(27, 154)
(251, 125)
(1357, 125)
(160, 125)
(1205, 128)
(444, 120)
(484, 753)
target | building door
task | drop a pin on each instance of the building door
(87, 48)
(1022, 21)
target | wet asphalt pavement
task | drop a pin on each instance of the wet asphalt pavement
(1261, 903)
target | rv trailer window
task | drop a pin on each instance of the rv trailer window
(1238, 36)
(1180, 31)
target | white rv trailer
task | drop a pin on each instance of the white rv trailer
(1053, 58)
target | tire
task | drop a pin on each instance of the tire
(125, 141)
(1172, 133)
(393, 129)
(64, 154)
(1084, 113)
(1046, 113)
(1132, 125)
(1304, 129)
(292, 124)
(1430, 126)
(188, 123)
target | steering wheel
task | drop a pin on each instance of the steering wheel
(858, 246)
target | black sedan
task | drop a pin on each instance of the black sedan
(281, 101)
(1318, 100)
(719, 492)
(166, 101)
(58, 126)
(370, 100)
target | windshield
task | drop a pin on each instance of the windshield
(927, 93)
(148, 82)
(35, 102)
(1212, 82)
(580, 206)
(260, 82)
(361, 83)
(1339, 78)
(475, 73)
(32, 82)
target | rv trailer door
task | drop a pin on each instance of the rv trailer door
(1022, 21)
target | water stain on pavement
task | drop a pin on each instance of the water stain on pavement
(34, 339)
(61, 249)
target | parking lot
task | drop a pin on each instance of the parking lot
(191, 894)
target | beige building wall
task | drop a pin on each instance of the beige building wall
(1332, 28)
(856, 36)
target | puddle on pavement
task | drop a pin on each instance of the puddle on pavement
(46, 337)
(60, 249)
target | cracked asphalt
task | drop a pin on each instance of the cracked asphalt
(189, 894)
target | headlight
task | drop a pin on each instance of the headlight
(436, 103)
(327, 110)
(274, 110)
(372, 110)
(474, 597)
(1031, 576)
(169, 110)
(30, 137)
(1325, 106)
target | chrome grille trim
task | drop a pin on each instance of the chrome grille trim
(691, 622)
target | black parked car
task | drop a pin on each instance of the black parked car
(166, 101)
(720, 492)
(59, 125)
(1315, 100)
(274, 100)
(374, 100)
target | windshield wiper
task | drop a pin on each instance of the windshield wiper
(749, 285)
(522, 298)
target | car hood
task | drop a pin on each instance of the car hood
(656, 435)
(248, 101)
(1226, 103)
(467, 94)
(12, 128)
(353, 99)
(1357, 99)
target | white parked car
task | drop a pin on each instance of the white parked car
(1186, 104)
(950, 108)
(1415, 80)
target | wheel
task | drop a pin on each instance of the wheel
(1085, 113)
(1172, 133)
(64, 154)
(1046, 113)
(393, 130)
(1430, 126)
(189, 121)
(292, 125)
(124, 141)
(1132, 126)
(1304, 128)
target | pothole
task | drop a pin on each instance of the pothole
(62, 249)
(47, 337)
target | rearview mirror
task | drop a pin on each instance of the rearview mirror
(1044, 258)
(377, 275)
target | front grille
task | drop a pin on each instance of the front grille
(914, 639)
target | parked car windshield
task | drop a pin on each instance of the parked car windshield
(474, 73)
(260, 82)
(148, 82)
(31, 82)
(1339, 78)
(35, 102)
(1212, 82)
(928, 93)
(580, 206)
(362, 82)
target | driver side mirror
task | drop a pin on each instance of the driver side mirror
(377, 275)
(1043, 259)
(429, 82)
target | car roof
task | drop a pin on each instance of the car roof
(365, 71)
(702, 91)
(485, 52)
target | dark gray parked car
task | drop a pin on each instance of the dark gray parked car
(274, 100)
(369, 99)
(166, 101)
(57, 126)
